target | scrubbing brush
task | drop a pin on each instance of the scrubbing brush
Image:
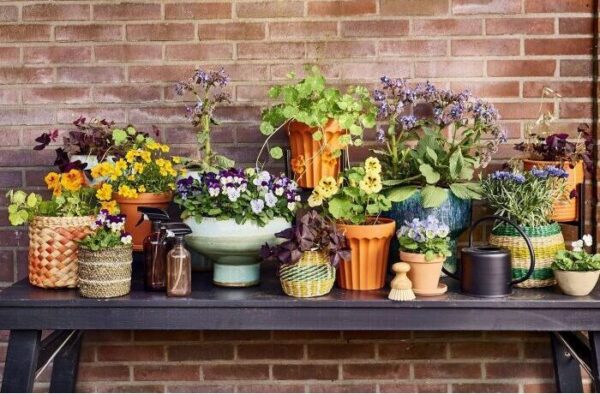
(401, 285)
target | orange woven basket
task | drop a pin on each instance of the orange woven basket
(53, 250)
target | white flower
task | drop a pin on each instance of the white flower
(126, 240)
(298, 198)
(279, 191)
(577, 246)
(587, 240)
(270, 199)
(257, 206)
(233, 194)
(291, 206)
(213, 191)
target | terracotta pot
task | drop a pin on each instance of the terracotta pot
(370, 245)
(129, 208)
(576, 283)
(424, 275)
(564, 211)
(312, 160)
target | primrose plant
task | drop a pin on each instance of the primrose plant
(428, 237)
(577, 259)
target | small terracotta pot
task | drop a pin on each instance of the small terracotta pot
(424, 275)
(563, 210)
(129, 206)
(312, 160)
(369, 245)
(576, 283)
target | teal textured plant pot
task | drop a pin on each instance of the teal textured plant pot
(233, 248)
(454, 212)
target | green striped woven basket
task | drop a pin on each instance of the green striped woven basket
(546, 241)
(312, 276)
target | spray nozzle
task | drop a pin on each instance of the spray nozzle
(156, 215)
(177, 229)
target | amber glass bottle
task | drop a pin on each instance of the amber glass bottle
(156, 248)
(179, 270)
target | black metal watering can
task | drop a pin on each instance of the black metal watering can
(486, 271)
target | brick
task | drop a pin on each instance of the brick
(130, 388)
(378, 28)
(204, 10)
(64, 95)
(339, 8)
(130, 353)
(489, 89)
(410, 350)
(9, 54)
(447, 27)
(476, 350)
(56, 12)
(343, 388)
(575, 110)
(157, 115)
(388, 336)
(271, 50)
(9, 13)
(537, 350)
(238, 113)
(306, 336)
(565, 46)
(270, 9)
(375, 371)
(10, 97)
(159, 336)
(503, 26)
(200, 352)
(341, 351)
(107, 336)
(449, 69)
(88, 33)
(160, 32)
(201, 388)
(518, 370)
(305, 372)
(90, 74)
(91, 373)
(199, 51)
(565, 89)
(66, 115)
(127, 53)
(235, 372)
(558, 6)
(410, 48)
(341, 49)
(126, 11)
(126, 94)
(251, 92)
(414, 7)
(25, 75)
(510, 111)
(166, 372)
(57, 54)
(521, 68)
(575, 68)
(269, 388)
(303, 30)
(539, 388)
(13, 179)
(440, 370)
(485, 388)
(232, 31)
(486, 7)
(413, 388)
(483, 47)
(575, 25)
(270, 351)
(24, 32)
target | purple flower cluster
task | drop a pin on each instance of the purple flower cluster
(112, 223)
(549, 171)
(423, 230)
(508, 176)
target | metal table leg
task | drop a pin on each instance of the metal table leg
(567, 372)
(66, 366)
(21, 361)
(594, 338)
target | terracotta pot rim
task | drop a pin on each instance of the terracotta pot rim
(331, 126)
(421, 259)
(382, 222)
(142, 197)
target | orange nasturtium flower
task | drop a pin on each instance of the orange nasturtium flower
(52, 180)
(72, 180)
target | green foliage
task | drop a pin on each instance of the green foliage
(101, 239)
(428, 237)
(567, 260)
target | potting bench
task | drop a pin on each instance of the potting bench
(26, 311)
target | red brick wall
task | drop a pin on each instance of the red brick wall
(62, 59)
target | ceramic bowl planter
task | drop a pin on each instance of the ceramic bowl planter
(129, 206)
(234, 248)
(563, 210)
(309, 161)
(369, 245)
(424, 275)
(576, 283)
(105, 273)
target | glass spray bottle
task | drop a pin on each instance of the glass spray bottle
(156, 247)
(179, 262)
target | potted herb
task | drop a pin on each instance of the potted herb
(208, 89)
(424, 245)
(355, 202)
(308, 256)
(232, 213)
(105, 258)
(320, 121)
(576, 270)
(526, 198)
(144, 177)
(431, 154)
(544, 148)
(55, 227)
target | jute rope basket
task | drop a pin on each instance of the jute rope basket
(105, 273)
(546, 241)
(53, 249)
(312, 276)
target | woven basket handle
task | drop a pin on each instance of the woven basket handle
(520, 231)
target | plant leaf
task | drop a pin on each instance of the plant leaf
(431, 176)
(276, 152)
(402, 193)
(433, 196)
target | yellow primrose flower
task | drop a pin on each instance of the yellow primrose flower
(146, 156)
(160, 162)
(105, 192)
(182, 171)
(315, 199)
(176, 159)
(131, 178)
(127, 192)
(165, 148)
(96, 171)
(372, 165)
(152, 145)
(141, 189)
(120, 165)
(106, 169)
(138, 168)
(371, 183)
(172, 186)
(327, 187)
(110, 206)
(131, 155)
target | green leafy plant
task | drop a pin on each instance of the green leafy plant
(311, 102)
(355, 197)
(577, 259)
(108, 233)
(428, 237)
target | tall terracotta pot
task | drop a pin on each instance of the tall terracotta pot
(129, 208)
(369, 245)
(563, 211)
(312, 160)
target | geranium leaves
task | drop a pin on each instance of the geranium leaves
(433, 196)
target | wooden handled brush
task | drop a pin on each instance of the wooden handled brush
(401, 285)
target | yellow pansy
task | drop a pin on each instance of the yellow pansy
(146, 156)
(105, 192)
(327, 187)
(152, 145)
(52, 180)
(315, 199)
(138, 168)
(172, 186)
(372, 165)
(120, 165)
(131, 155)
(371, 183)
(176, 159)
(72, 180)
(111, 206)
(141, 189)
(165, 148)
(127, 192)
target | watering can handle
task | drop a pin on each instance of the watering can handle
(520, 231)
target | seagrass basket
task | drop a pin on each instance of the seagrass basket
(311, 276)
(53, 249)
(105, 273)
(546, 241)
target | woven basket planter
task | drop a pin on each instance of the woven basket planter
(546, 241)
(105, 273)
(312, 276)
(53, 249)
